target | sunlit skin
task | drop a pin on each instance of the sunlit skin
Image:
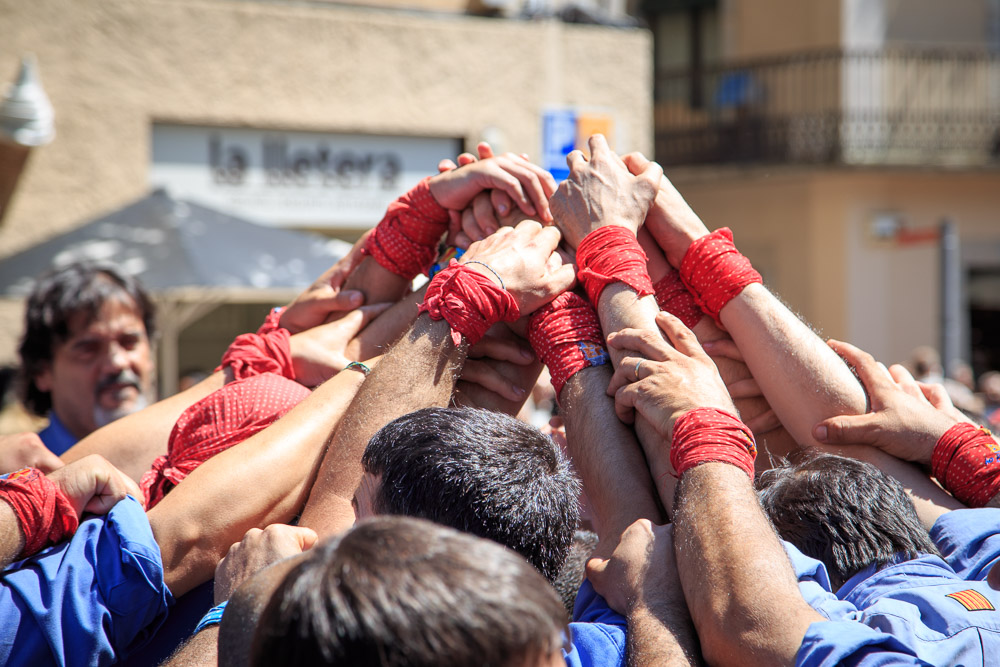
(102, 371)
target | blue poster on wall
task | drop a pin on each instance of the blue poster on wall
(558, 140)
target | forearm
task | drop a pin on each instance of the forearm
(11, 535)
(133, 442)
(773, 443)
(418, 372)
(740, 587)
(620, 308)
(929, 499)
(661, 636)
(607, 456)
(199, 651)
(377, 283)
(263, 480)
(802, 378)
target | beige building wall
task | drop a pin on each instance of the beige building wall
(809, 232)
(759, 28)
(114, 67)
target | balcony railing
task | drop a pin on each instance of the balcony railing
(880, 108)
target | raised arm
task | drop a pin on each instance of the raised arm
(262, 480)
(518, 271)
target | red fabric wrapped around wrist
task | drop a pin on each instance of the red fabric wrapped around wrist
(212, 425)
(966, 461)
(468, 301)
(405, 242)
(610, 255)
(46, 515)
(566, 335)
(673, 297)
(267, 351)
(714, 271)
(705, 435)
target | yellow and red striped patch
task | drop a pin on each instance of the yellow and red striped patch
(972, 600)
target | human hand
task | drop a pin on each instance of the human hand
(484, 216)
(673, 377)
(670, 220)
(26, 450)
(498, 198)
(641, 571)
(258, 549)
(498, 346)
(321, 352)
(528, 185)
(93, 485)
(601, 191)
(525, 260)
(324, 299)
(902, 422)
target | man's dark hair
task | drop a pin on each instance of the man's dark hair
(58, 297)
(574, 570)
(480, 472)
(398, 591)
(843, 512)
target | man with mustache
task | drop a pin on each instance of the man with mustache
(85, 354)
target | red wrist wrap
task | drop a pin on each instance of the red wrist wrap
(714, 271)
(267, 351)
(46, 515)
(468, 301)
(673, 297)
(707, 435)
(405, 242)
(611, 255)
(965, 461)
(566, 336)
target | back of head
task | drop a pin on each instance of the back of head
(397, 591)
(926, 361)
(480, 472)
(846, 513)
(58, 298)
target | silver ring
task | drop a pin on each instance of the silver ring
(637, 364)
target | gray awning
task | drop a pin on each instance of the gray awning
(177, 246)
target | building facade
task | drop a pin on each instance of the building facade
(309, 115)
(835, 137)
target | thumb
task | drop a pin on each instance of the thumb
(306, 537)
(595, 568)
(846, 430)
(365, 314)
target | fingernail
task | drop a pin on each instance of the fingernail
(527, 354)
(518, 391)
(357, 297)
(708, 345)
(820, 432)
(502, 209)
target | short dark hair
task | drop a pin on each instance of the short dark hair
(480, 472)
(846, 513)
(574, 570)
(398, 591)
(58, 297)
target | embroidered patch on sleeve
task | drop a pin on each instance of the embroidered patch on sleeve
(972, 600)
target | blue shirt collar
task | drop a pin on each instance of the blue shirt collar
(56, 436)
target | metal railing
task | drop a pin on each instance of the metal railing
(886, 107)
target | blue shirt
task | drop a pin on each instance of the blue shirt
(938, 610)
(86, 601)
(56, 437)
(597, 632)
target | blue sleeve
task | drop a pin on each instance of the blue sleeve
(969, 541)
(597, 633)
(814, 585)
(88, 600)
(834, 643)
